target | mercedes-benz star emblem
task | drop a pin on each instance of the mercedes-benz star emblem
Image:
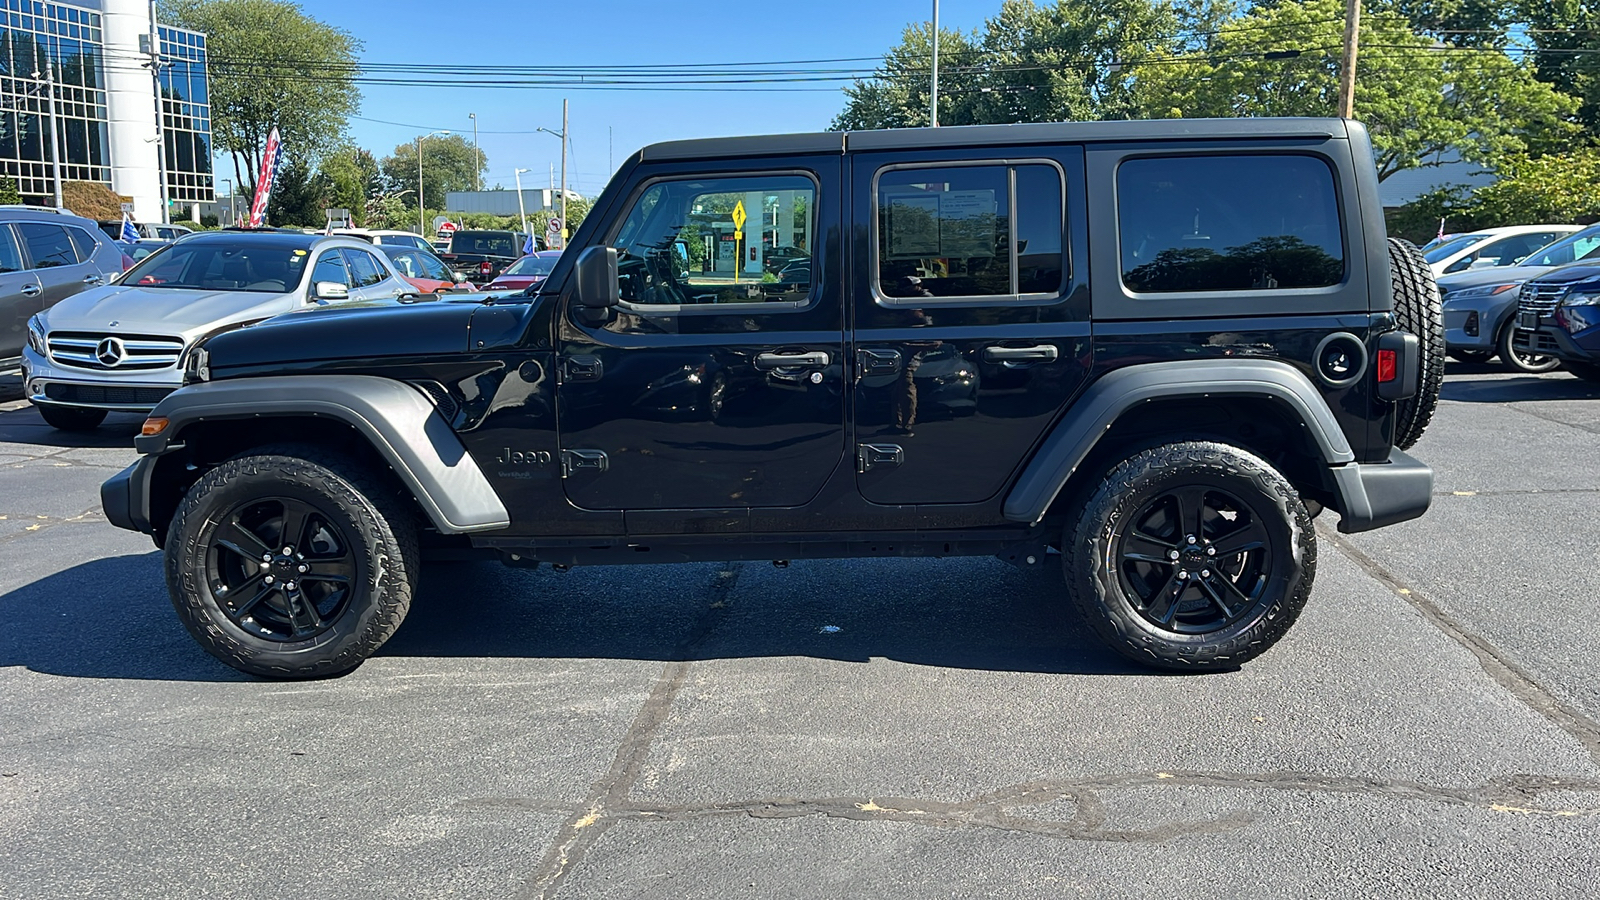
(110, 352)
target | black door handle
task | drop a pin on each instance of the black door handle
(813, 359)
(1036, 353)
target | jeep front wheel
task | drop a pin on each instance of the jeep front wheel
(1194, 555)
(291, 563)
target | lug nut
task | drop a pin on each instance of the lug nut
(1211, 551)
(1183, 576)
(269, 579)
(1191, 538)
(304, 568)
(288, 585)
(1172, 554)
(1204, 573)
(288, 551)
(266, 557)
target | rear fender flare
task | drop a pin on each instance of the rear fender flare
(1104, 401)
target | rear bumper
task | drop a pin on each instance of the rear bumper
(125, 498)
(1378, 494)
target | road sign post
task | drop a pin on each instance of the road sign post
(738, 217)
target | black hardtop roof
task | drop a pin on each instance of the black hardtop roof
(982, 135)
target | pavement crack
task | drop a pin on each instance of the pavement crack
(1517, 407)
(584, 827)
(1006, 809)
(45, 523)
(1496, 664)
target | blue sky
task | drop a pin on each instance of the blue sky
(610, 32)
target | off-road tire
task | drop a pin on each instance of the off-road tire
(1586, 371)
(72, 418)
(1513, 361)
(1091, 560)
(1417, 309)
(381, 530)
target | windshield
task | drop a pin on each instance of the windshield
(1443, 251)
(531, 265)
(487, 243)
(1573, 247)
(238, 265)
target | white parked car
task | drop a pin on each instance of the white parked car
(1492, 247)
(124, 346)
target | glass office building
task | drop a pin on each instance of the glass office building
(62, 47)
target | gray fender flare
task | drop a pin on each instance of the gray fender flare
(395, 418)
(1071, 441)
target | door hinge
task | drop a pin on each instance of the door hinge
(869, 456)
(878, 362)
(582, 367)
(591, 461)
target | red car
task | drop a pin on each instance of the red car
(426, 272)
(526, 272)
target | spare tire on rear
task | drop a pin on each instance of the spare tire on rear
(1417, 310)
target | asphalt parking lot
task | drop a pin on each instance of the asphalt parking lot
(881, 728)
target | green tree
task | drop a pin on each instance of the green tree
(1421, 102)
(345, 177)
(297, 197)
(449, 163)
(9, 193)
(897, 95)
(271, 64)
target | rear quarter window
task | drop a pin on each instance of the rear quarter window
(1228, 222)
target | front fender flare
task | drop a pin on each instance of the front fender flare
(400, 423)
(1070, 443)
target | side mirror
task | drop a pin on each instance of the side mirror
(330, 290)
(457, 277)
(595, 279)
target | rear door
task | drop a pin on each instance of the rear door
(19, 295)
(372, 279)
(712, 387)
(54, 261)
(971, 315)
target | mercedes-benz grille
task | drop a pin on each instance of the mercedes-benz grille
(114, 352)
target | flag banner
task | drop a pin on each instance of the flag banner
(271, 162)
(129, 233)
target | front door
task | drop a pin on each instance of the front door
(971, 316)
(716, 384)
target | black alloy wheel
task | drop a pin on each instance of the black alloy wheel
(1195, 559)
(1195, 555)
(281, 569)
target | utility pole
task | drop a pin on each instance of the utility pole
(562, 134)
(477, 161)
(422, 208)
(161, 136)
(520, 207)
(1347, 65)
(933, 93)
(50, 104)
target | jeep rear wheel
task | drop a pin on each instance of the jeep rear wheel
(291, 563)
(1195, 556)
(1417, 309)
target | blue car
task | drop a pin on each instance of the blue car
(1558, 315)
(1479, 305)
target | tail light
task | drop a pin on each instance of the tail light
(485, 267)
(1388, 367)
(1398, 365)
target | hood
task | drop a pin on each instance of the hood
(1449, 284)
(1571, 273)
(347, 331)
(171, 311)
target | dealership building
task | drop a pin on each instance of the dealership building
(88, 67)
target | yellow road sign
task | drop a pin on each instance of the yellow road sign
(738, 215)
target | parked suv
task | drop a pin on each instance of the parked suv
(1079, 341)
(123, 347)
(482, 255)
(46, 255)
(1558, 315)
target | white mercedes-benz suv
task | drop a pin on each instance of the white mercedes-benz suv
(123, 347)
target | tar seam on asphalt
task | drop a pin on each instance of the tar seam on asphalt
(585, 826)
(1506, 673)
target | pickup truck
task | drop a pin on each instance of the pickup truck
(481, 255)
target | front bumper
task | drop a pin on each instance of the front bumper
(1378, 494)
(1550, 339)
(47, 384)
(126, 496)
(1484, 314)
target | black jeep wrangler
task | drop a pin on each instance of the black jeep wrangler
(1158, 349)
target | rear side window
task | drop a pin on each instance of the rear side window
(1247, 222)
(48, 245)
(964, 232)
(10, 255)
(364, 269)
(83, 241)
(330, 267)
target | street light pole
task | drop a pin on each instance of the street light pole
(522, 209)
(477, 161)
(233, 214)
(50, 105)
(422, 207)
(562, 134)
(933, 93)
